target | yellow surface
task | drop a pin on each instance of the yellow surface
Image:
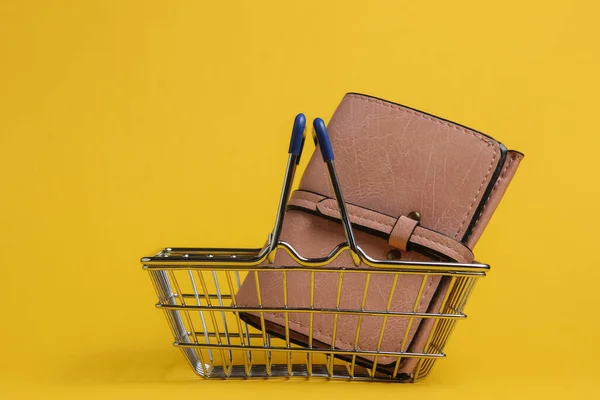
(129, 126)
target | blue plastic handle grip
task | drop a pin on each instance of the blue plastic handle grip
(297, 141)
(323, 139)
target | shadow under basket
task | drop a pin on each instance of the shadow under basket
(222, 340)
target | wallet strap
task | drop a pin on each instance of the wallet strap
(403, 233)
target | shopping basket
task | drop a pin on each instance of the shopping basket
(196, 290)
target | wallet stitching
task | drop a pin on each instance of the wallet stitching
(488, 142)
(476, 195)
(309, 203)
(450, 125)
(502, 176)
(336, 211)
(306, 195)
(375, 214)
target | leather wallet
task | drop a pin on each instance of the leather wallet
(394, 163)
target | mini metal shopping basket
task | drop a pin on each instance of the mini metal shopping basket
(196, 290)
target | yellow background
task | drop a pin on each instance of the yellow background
(130, 126)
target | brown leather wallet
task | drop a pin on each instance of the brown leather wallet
(394, 164)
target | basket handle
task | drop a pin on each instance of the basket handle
(294, 151)
(322, 139)
(298, 136)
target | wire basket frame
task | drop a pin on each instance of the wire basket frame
(196, 289)
(198, 300)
